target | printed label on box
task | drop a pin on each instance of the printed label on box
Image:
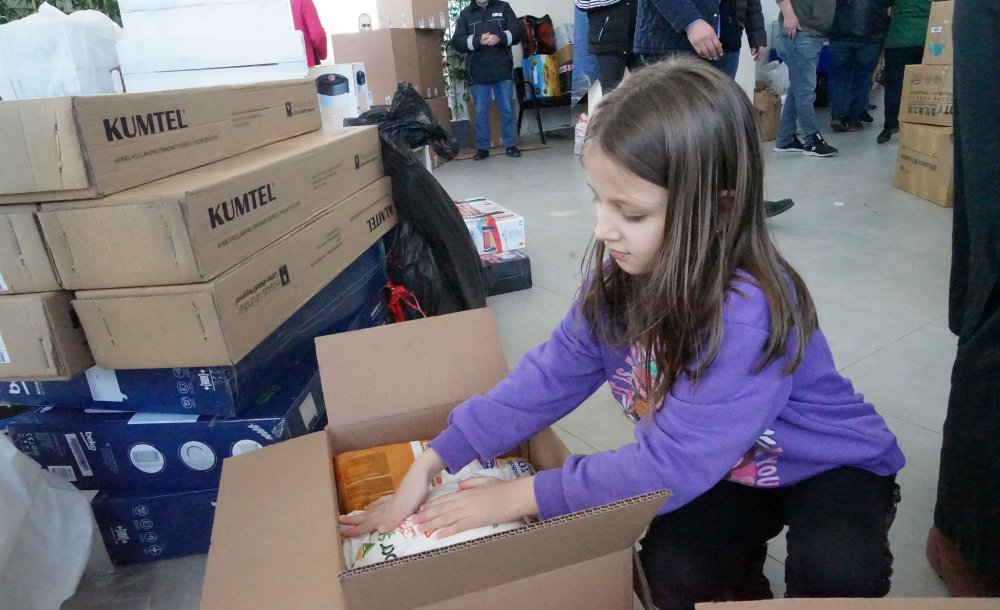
(4, 357)
(63, 472)
(81, 459)
(308, 410)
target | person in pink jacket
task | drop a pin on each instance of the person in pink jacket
(306, 20)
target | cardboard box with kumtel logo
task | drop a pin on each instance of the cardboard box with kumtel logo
(193, 226)
(61, 148)
(581, 561)
(41, 337)
(25, 265)
(217, 323)
(927, 95)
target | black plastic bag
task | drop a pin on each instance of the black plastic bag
(430, 252)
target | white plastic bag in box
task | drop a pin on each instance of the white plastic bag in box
(46, 533)
(52, 54)
(222, 19)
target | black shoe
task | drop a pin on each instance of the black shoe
(481, 154)
(838, 124)
(512, 151)
(795, 145)
(866, 118)
(854, 125)
(885, 135)
(773, 208)
(817, 147)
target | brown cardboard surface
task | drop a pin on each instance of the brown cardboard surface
(768, 105)
(924, 164)
(41, 338)
(927, 95)
(56, 149)
(25, 265)
(391, 55)
(191, 227)
(216, 323)
(899, 603)
(563, 56)
(938, 47)
(408, 13)
(559, 563)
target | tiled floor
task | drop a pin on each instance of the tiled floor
(875, 258)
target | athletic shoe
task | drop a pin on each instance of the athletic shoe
(817, 147)
(794, 146)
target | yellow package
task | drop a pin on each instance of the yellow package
(366, 475)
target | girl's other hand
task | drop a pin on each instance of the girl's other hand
(480, 501)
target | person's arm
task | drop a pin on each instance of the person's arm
(317, 35)
(754, 25)
(512, 33)
(461, 39)
(790, 22)
(683, 16)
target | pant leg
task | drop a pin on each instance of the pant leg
(841, 75)
(788, 124)
(801, 55)
(838, 526)
(896, 61)
(482, 95)
(865, 58)
(503, 91)
(610, 70)
(713, 544)
(729, 63)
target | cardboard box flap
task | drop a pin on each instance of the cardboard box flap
(927, 140)
(513, 555)
(857, 604)
(264, 554)
(40, 159)
(432, 362)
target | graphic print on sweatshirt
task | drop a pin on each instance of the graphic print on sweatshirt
(758, 467)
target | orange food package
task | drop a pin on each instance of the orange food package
(366, 475)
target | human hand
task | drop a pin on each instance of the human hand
(702, 37)
(494, 40)
(389, 511)
(791, 23)
(480, 501)
(757, 52)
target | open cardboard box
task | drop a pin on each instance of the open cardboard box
(276, 542)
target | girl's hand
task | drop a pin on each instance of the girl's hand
(384, 514)
(480, 501)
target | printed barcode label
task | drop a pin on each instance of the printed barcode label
(79, 456)
(146, 457)
(4, 357)
(936, 29)
(63, 472)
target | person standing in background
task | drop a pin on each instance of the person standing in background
(856, 37)
(486, 30)
(736, 16)
(903, 46)
(610, 35)
(964, 544)
(306, 20)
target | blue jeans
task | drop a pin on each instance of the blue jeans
(503, 92)
(852, 67)
(801, 56)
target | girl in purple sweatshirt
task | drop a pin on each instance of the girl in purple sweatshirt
(709, 341)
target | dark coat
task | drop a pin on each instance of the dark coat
(487, 64)
(739, 15)
(612, 28)
(860, 21)
(660, 24)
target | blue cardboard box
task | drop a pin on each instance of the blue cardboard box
(353, 300)
(139, 527)
(166, 452)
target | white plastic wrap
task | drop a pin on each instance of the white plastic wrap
(774, 75)
(46, 533)
(50, 54)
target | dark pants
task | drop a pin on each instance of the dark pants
(611, 68)
(896, 61)
(852, 66)
(715, 546)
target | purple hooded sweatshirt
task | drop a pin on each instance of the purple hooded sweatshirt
(762, 429)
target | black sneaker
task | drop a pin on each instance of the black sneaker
(817, 147)
(773, 208)
(838, 124)
(794, 146)
(866, 118)
(481, 154)
(885, 135)
(512, 151)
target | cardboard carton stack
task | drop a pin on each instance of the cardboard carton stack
(170, 44)
(209, 235)
(498, 235)
(925, 165)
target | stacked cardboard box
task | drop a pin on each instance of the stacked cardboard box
(925, 165)
(498, 235)
(205, 262)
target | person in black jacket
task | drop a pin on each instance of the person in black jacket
(609, 38)
(486, 30)
(856, 36)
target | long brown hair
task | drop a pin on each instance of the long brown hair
(687, 127)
